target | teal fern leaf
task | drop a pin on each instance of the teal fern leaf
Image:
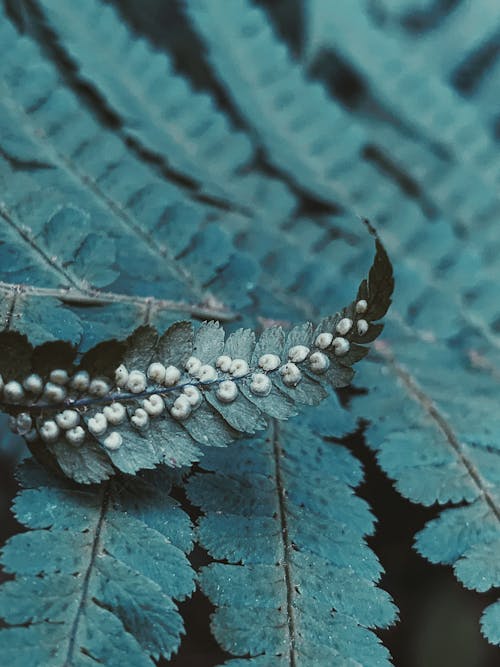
(111, 206)
(434, 456)
(421, 101)
(304, 133)
(441, 345)
(439, 349)
(294, 581)
(156, 398)
(438, 132)
(334, 154)
(236, 203)
(437, 308)
(161, 110)
(97, 573)
(437, 323)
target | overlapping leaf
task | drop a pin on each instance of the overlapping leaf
(458, 42)
(421, 102)
(442, 342)
(423, 129)
(432, 403)
(220, 387)
(441, 446)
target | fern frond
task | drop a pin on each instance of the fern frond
(155, 398)
(50, 177)
(434, 455)
(357, 173)
(304, 133)
(294, 581)
(435, 131)
(97, 573)
(160, 109)
(468, 63)
(419, 100)
(334, 155)
(433, 391)
(476, 24)
(442, 312)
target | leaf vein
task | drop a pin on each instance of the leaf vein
(287, 546)
(105, 498)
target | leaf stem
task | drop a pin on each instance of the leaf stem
(93, 297)
(105, 498)
(287, 546)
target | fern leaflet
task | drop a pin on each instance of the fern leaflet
(160, 109)
(421, 102)
(50, 178)
(96, 574)
(294, 581)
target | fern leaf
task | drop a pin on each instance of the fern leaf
(327, 151)
(432, 398)
(476, 24)
(357, 173)
(305, 134)
(260, 103)
(469, 64)
(117, 200)
(160, 109)
(155, 399)
(428, 138)
(293, 581)
(362, 172)
(433, 391)
(97, 573)
(420, 101)
(432, 405)
(461, 192)
(434, 459)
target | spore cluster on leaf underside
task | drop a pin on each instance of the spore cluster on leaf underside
(168, 396)
(68, 401)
